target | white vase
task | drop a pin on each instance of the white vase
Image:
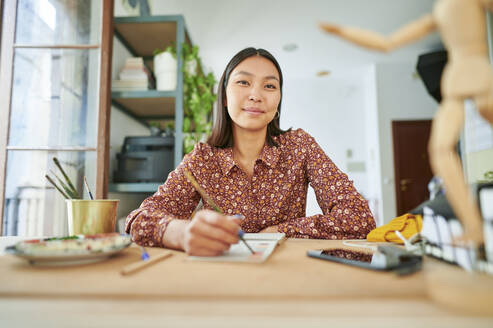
(165, 69)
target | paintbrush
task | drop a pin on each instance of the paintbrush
(146, 261)
(87, 187)
(56, 187)
(67, 179)
(211, 203)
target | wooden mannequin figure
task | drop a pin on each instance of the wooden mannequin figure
(467, 75)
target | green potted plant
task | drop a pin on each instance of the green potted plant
(198, 97)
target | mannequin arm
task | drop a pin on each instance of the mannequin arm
(487, 4)
(407, 34)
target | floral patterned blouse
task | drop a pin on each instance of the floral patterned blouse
(275, 194)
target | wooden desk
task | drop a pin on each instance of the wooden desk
(289, 289)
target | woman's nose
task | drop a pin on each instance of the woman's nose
(254, 95)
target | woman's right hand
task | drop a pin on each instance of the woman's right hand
(210, 233)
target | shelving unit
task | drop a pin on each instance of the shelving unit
(134, 187)
(141, 36)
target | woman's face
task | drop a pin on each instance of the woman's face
(253, 93)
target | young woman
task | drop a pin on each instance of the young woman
(253, 169)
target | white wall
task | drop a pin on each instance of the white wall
(353, 110)
(400, 96)
(476, 145)
(332, 110)
(373, 165)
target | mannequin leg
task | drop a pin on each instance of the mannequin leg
(484, 103)
(445, 162)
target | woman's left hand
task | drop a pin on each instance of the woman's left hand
(271, 229)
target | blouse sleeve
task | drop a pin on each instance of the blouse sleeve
(346, 214)
(175, 199)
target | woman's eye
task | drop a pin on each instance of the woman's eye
(242, 82)
(270, 86)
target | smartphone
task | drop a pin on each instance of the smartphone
(374, 260)
(386, 258)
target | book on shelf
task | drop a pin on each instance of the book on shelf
(134, 76)
(124, 85)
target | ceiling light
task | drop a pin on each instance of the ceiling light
(323, 73)
(289, 47)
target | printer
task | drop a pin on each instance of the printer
(145, 159)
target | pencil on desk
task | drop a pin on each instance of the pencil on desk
(211, 203)
(137, 266)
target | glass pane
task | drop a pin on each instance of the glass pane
(32, 207)
(54, 98)
(58, 22)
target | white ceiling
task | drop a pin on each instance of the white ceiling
(223, 27)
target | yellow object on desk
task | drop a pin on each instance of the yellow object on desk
(407, 224)
(88, 217)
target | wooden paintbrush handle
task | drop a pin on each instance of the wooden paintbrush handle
(134, 267)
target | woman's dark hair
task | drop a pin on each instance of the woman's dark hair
(222, 131)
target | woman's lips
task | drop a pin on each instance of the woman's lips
(253, 110)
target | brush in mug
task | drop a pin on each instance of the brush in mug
(65, 186)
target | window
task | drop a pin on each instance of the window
(54, 102)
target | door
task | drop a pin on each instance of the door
(411, 163)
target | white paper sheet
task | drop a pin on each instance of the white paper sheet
(262, 243)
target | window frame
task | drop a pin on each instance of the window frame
(8, 9)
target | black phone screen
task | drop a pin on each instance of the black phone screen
(376, 260)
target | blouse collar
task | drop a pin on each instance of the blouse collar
(269, 155)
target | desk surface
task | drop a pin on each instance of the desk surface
(287, 273)
(289, 286)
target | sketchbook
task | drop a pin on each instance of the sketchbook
(262, 243)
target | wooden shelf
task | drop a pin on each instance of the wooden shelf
(138, 187)
(146, 105)
(145, 34)
(143, 94)
(141, 36)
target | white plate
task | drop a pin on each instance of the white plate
(62, 252)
